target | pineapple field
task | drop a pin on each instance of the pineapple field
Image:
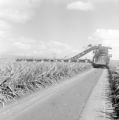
(18, 79)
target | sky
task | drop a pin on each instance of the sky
(57, 28)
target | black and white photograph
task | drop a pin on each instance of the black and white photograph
(59, 59)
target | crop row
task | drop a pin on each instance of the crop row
(20, 78)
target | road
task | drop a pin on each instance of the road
(65, 101)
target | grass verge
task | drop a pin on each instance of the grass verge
(114, 92)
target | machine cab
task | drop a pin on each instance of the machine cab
(101, 56)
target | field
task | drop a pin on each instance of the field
(114, 91)
(18, 79)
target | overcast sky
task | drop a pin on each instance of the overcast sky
(58, 28)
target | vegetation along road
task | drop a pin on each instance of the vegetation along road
(65, 101)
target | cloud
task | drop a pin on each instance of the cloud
(14, 45)
(54, 48)
(27, 47)
(108, 37)
(14, 11)
(17, 10)
(105, 1)
(20, 11)
(22, 45)
(5, 33)
(80, 5)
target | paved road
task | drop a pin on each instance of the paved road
(62, 102)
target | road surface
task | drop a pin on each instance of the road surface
(65, 101)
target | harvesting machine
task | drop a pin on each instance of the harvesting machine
(101, 56)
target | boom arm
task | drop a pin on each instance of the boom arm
(83, 53)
